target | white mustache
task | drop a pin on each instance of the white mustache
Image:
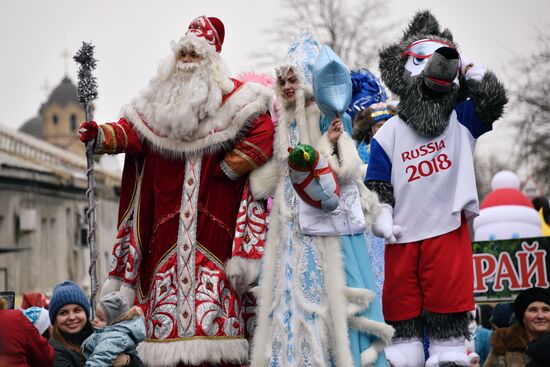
(187, 66)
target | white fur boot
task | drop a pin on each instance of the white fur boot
(405, 353)
(448, 352)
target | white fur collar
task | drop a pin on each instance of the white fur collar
(307, 120)
(215, 132)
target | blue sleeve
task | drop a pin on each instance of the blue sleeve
(467, 116)
(106, 351)
(379, 167)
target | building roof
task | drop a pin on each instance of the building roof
(33, 127)
(25, 157)
(64, 93)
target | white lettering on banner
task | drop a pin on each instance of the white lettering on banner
(530, 263)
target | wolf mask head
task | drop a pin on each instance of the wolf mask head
(422, 69)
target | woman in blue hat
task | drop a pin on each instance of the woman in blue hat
(70, 318)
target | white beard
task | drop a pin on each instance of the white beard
(175, 105)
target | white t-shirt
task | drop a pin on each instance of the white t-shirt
(433, 178)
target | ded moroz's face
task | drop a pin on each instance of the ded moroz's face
(189, 56)
(536, 318)
(71, 318)
(289, 84)
(100, 320)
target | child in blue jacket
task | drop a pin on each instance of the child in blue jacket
(118, 329)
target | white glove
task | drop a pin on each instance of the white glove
(470, 70)
(383, 225)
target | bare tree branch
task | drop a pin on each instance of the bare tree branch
(354, 29)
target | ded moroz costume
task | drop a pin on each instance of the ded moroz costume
(190, 138)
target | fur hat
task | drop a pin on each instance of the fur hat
(67, 293)
(528, 296)
(114, 305)
(211, 29)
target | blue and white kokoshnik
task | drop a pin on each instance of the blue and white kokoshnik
(302, 53)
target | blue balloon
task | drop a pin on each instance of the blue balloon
(331, 83)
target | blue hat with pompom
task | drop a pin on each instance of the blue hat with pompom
(67, 293)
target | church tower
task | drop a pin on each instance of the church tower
(59, 119)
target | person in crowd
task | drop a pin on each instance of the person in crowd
(315, 289)
(479, 341)
(509, 344)
(366, 124)
(539, 351)
(21, 342)
(190, 140)
(69, 312)
(118, 329)
(502, 316)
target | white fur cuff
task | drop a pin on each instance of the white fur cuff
(242, 273)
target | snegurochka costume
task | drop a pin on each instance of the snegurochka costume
(317, 304)
(183, 202)
(421, 166)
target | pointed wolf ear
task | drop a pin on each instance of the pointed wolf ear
(423, 23)
(447, 34)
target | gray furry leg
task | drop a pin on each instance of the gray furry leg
(447, 325)
(408, 329)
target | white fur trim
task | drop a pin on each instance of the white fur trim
(358, 300)
(242, 272)
(369, 356)
(263, 180)
(193, 352)
(335, 283)
(369, 201)
(380, 329)
(239, 110)
(347, 165)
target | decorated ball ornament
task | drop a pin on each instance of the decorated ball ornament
(312, 178)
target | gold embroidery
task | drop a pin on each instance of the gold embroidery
(257, 148)
(246, 158)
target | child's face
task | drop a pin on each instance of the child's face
(100, 321)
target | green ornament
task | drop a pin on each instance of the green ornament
(302, 155)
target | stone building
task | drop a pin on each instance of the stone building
(43, 182)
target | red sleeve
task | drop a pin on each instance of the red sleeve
(40, 353)
(117, 137)
(252, 151)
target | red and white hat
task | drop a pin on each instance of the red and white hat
(211, 29)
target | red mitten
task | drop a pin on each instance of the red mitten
(88, 131)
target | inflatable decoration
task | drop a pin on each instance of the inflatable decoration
(506, 212)
(331, 84)
(312, 178)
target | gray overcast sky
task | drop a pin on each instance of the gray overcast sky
(131, 36)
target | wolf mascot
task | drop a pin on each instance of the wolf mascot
(421, 166)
